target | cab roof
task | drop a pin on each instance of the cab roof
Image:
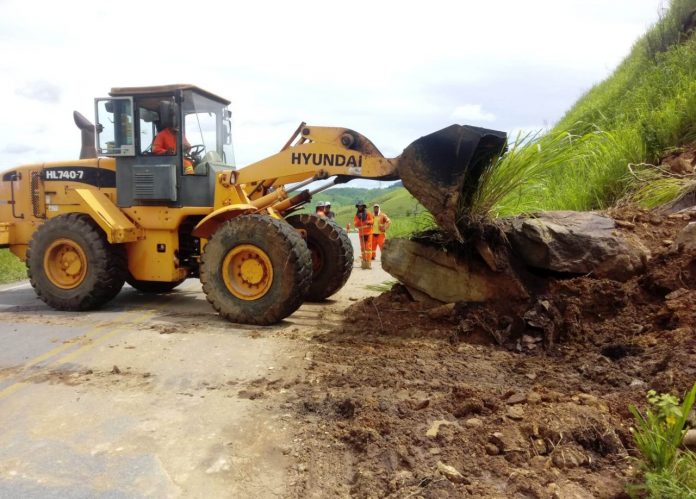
(164, 89)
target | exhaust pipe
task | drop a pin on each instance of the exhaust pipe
(88, 149)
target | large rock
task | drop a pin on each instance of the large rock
(446, 277)
(686, 239)
(690, 440)
(576, 243)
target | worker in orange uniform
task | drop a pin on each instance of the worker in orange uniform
(364, 222)
(327, 210)
(165, 144)
(379, 231)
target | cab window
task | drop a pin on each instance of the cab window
(147, 129)
(115, 126)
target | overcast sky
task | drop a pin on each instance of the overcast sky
(393, 71)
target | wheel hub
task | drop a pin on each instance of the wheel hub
(252, 271)
(247, 272)
(65, 264)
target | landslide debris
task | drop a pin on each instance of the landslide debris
(511, 398)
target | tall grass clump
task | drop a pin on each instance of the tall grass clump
(556, 171)
(516, 178)
(656, 187)
(668, 471)
(404, 226)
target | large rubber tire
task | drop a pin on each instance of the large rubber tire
(152, 286)
(283, 250)
(332, 254)
(104, 264)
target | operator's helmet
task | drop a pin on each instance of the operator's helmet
(360, 203)
(321, 204)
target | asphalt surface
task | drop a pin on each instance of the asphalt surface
(151, 396)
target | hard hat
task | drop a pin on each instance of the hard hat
(359, 204)
(327, 203)
(321, 204)
(376, 204)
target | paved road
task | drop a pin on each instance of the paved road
(151, 396)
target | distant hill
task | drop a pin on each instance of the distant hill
(395, 201)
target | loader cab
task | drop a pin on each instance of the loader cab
(129, 121)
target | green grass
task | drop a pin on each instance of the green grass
(11, 269)
(647, 106)
(382, 287)
(406, 213)
(667, 470)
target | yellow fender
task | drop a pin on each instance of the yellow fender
(115, 224)
(210, 223)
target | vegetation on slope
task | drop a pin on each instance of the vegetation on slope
(645, 108)
(667, 469)
(406, 213)
(11, 269)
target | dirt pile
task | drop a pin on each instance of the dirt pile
(513, 399)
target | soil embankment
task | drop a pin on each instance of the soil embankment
(523, 398)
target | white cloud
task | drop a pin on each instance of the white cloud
(41, 91)
(391, 70)
(18, 149)
(472, 113)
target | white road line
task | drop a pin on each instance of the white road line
(25, 285)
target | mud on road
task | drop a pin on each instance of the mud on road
(526, 399)
(375, 397)
(154, 395)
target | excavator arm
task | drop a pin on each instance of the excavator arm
(331, 151)
(441, 170)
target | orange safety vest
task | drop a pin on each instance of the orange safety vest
(382, 223)
(364, 228)
(165, 141)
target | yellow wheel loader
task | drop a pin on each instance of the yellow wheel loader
(155, 199)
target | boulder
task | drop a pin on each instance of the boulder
(686, 239)
(446, 277)
(690, 440)
(576, 243)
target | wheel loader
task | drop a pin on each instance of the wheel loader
(126, 212)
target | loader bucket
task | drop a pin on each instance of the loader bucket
(442, 170)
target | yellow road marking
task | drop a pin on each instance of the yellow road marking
(7, 391)
(18, 385)
(120, 325)
(83, 349)
(89, 334)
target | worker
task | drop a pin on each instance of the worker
(364, 222)
(165, 144)
(320, 209)
(327, 210)
(379, 230)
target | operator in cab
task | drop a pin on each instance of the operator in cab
(165, 145)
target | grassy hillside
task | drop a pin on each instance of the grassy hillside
(407, 214)
(11, 269)
(646, 107)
